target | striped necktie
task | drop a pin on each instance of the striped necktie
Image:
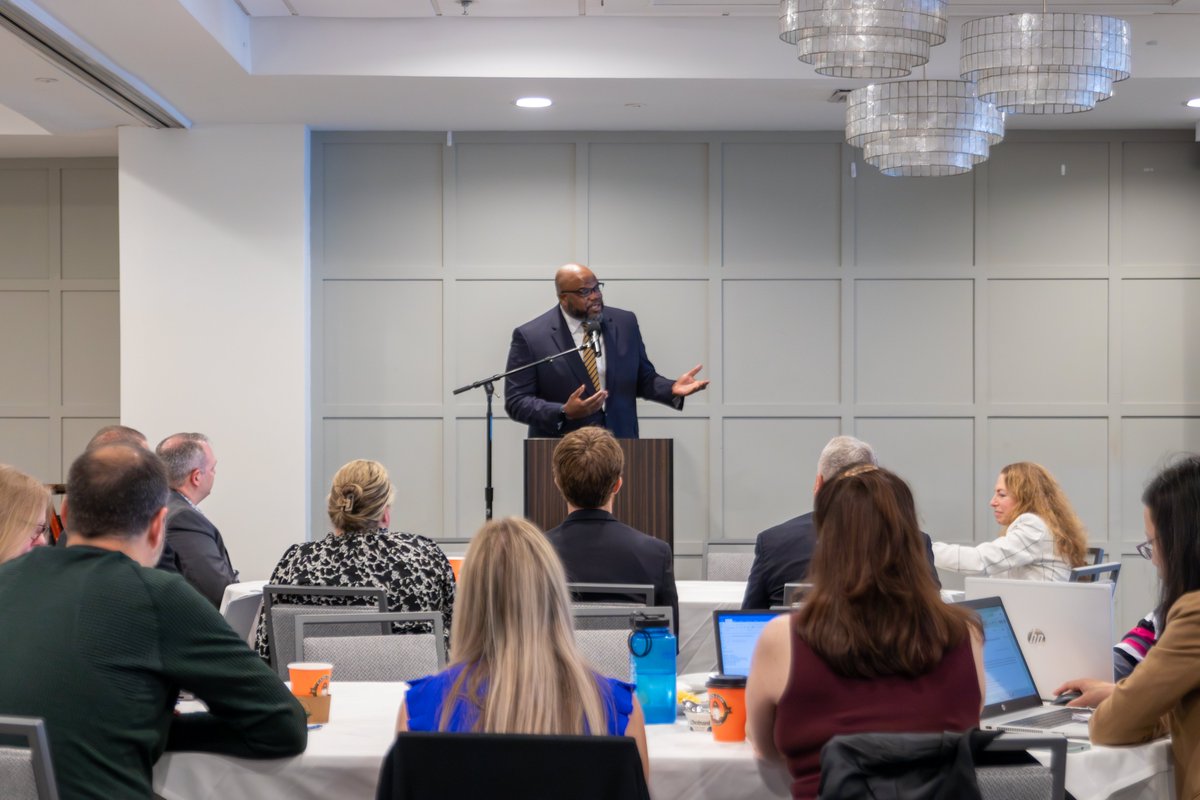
(589, 361)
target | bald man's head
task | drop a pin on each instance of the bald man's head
(569, 282)
(115, 491)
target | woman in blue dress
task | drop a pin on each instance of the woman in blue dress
(515, 667)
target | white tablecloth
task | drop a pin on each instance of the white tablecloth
(235, 590)
(344, 757)
(697, 601)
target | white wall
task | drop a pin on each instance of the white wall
(215, 317)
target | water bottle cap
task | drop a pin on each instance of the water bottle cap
(640, 621)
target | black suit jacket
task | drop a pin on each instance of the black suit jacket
(195, 549)
(535, 396)
(597, 548)
(782, 555)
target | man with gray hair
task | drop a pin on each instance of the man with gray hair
(194, 546)
(782, 553)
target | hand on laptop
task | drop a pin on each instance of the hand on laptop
(1092, 691)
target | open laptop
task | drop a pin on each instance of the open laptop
(1012, 702)
(1065, 629)
(736, 632)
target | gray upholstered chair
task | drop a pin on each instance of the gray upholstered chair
(377, 652)
(26, 772)
(280, 615)
(612, 594)
(728, 559)
(242, 614)
(1024, 781)
(793, 593)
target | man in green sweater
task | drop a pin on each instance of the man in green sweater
(99, 644)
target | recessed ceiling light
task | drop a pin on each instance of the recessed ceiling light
(534, 102)
(46, 80)
(1193, 103)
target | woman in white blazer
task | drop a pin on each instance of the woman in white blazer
(1042, 537)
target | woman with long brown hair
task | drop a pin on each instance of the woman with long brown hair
(514, 664)
(873, 642)
(1042, 537)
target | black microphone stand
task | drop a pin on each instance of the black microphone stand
(489, 390)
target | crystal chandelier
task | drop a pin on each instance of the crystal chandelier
(922, 128)
(863, 38)
(1046, 63)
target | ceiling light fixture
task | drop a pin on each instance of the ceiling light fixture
(1193, 103)
(1046, 63)
(863, 38)
(534, 102)
(922, 128)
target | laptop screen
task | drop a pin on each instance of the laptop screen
(737, 632)
(1010, 685)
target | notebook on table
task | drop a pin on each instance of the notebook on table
(736, 633)
(1065, 629)
(1012, 702)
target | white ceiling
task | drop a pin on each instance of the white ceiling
(422, 65)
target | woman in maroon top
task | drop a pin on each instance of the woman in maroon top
(873, 649)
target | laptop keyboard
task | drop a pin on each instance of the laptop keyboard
(1046, 719)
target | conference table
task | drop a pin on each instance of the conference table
(344, 757)
(697, 639)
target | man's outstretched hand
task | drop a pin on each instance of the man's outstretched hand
(577, 407)
(687, 383)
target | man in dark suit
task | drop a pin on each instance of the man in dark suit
(782, 553)
(564, 395)
(593, 545)
(194, 547)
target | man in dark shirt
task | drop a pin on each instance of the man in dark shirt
(99, 645)
(782, 553)
(593, 545)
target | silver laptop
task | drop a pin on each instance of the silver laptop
(736, 632)
(1065, 629)
(1012, 702)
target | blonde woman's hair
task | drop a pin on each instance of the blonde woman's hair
(513, 634)
(1035, 491)
(23, 502)
(360, 494)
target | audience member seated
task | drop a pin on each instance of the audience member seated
(593, 545)
(99, 645)
(24, 504)
(873, 649)
(1162, 695)
(1043, 539)
(782, 553)
(1134, 645)
(109, 434)
(362, 552)
(514, 664)
(194, 546)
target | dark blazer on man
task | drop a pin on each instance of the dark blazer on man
(782, 555)
(597, 548)
(195, 549)
(536, 396)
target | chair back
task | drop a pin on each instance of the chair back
(26, 772)
(280, 615)
(1024, 781)
(1097, 573)
(242, 613)
(511, 765)
(1095, 555)
(615, 594)
(379, 652)
(728, 559)
(602, 635)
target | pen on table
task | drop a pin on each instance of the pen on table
(315, 727)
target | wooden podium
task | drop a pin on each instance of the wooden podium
(646, 500)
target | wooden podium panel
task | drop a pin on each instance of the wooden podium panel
(646, 500)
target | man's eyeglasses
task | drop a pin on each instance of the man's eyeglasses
(1145, 550)
(40, 530)
(587, 291)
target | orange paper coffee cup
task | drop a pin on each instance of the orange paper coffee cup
(727, 707)
(310, 678)
(456, 565)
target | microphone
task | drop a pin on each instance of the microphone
(591, 331)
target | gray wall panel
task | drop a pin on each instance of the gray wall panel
(91, 348)
(25, 318)
(1160, 336)
(1160, 201)
(25, 443)
(647, 206)
(781, 205)
(1147, 445)
(25, 206)
(914, 222)
(89, 223)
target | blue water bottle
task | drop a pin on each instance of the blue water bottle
(652, 666)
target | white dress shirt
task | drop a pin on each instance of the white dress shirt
(575, 326)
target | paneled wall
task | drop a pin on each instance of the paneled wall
(1037, 308)
(59, 316)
